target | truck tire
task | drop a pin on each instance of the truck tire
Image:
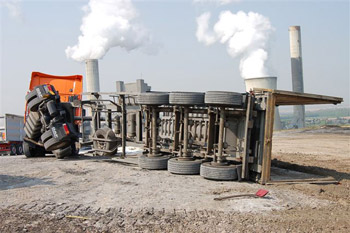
(28, 152)
(223, 98)
(35, 117)
(61, 153)
(34, 126)
(151, 98)
(54, 144)
(32, 151)
(30, 96)
(184, 167)
(34, 104)
(19, 149)
(186, 98)
(46, 136)
(105, 133)
(215, 172)
(153, 163)
(13, 149)
(30, 133)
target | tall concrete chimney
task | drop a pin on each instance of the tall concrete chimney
(92, 76)
(297, 74)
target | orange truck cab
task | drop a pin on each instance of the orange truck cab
(69, 87)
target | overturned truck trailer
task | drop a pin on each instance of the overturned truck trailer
(219, 135)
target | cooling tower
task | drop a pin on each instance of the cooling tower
(268, 83)
(297, 74)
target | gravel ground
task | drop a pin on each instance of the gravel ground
(98, 194)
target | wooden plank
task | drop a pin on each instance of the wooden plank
(324, 180)
(329, 178)
(269, 119)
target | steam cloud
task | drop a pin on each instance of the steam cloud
(221, 2)
(14, 8)
(245, 35)
(107, 24)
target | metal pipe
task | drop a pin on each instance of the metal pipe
(185, 142)
(123, 125)
(154, 132)
(147, 128)
(297, 74)
(176, 128)
(109, 118)
(221, 135)
(211, 132)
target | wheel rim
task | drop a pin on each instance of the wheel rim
(13, 150)
(20, 149)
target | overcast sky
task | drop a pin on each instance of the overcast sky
(35, 35)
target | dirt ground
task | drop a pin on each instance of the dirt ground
(97, 194)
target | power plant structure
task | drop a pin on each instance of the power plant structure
(297, 74)
(92, 77)
(267, 83)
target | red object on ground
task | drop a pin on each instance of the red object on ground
(261, 193)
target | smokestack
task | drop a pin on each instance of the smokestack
(268, 83)
(92, 76)
(297, 74)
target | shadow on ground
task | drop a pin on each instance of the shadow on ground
(312, 170)
(12, 182)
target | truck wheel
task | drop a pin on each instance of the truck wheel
(31, 95)
(33, 134)
(153, 163)
(108, 134)
(216, 172)
(13, 149)
(61, 153)
(35, 117)
(35, 126)
(20, 149)
(34, 104)
(153, 98)
(31, 151)
(184, 167)
(54, 144)
(27, 150)
(186, 98)
(223, 98)
(46, 136)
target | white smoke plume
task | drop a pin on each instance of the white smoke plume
(14, 8)
(220, 2)
(245, 35)
(107, 24)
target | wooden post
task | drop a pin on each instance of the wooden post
(269, 119)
